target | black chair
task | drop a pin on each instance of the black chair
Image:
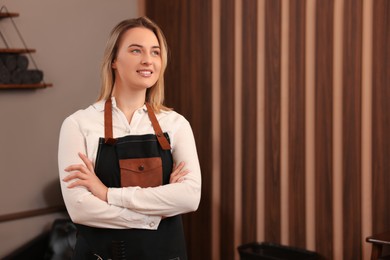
(378, 241)
(56, 244)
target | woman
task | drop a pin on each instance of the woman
(128, 165)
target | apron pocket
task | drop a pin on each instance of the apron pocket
(142, 172)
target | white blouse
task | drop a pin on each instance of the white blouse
(130, 207)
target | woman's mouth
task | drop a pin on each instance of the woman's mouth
(145, 73)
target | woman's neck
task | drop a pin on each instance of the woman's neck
(128, 101)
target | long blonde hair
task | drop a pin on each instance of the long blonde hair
(154, 94)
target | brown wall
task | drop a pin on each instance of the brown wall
(289, 104)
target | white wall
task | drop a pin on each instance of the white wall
(69, 38)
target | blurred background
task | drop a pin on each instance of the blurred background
(288, 100)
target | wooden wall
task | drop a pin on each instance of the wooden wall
(289, 103)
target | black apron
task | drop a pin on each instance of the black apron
(165, 243)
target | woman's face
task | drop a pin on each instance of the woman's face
(138, 61)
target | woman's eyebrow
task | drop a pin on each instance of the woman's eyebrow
(135, 45)
(140, 46)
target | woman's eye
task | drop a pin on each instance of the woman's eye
(136, 51)
(155, 53)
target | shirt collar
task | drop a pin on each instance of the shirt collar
(99, 106)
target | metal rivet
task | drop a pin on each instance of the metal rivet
(141, 167)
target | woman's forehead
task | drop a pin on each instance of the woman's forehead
(139, 36)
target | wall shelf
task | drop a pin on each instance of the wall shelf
(25, 86)
(11, 77)
(16, 50)
(7, 15)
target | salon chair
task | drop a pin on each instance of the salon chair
(56, 244)
(379, 242)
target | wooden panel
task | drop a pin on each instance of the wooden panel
(249, 123)
(272, 97)
(323, 128)
(198, 54)
(188, 90)
(381, 117)
(352, 63)
(32, 213)
(296, 160)
(227, 131)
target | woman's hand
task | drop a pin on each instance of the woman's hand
(178, 173)
(84, 175)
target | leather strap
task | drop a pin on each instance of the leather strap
(157, 129)
(108, 133)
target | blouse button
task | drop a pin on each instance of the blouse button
(151, 224)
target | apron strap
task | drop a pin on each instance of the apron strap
(108, 133)
(157, 129)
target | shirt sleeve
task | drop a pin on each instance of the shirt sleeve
(83, 207)
(171, 199)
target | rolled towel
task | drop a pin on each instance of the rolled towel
(17, 76)
(32, 76)
(5, 76)
(21, 62)
(10, 61)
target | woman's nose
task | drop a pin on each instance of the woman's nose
(146, 60)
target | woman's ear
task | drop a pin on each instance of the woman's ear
(113, 64)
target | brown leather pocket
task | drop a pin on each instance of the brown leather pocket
(142, 172)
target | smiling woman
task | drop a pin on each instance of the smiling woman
(137, 65)
(129, 165)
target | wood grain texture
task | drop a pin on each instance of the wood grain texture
(188, 90)
(227, 249)
(272, 120)
(249, 123)
(323, 128)
(187, 25)
(352, 64)
(296, 160)
(381, 117)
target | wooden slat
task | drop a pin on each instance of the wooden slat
(352, 64)
(198, 109)
(16, 50)
(227, 249)
(188, 91)
(7, 15)
(296, 160)
(249, 123)
(381, 117)
(272, 120)
(31, 213)
(25, 86)
(323, 128)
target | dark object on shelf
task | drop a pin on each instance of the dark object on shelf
(13, 70)
(9, 61)
(270, 251)
(14, 61)
(25, 77)
(5, 76)
(57, 244)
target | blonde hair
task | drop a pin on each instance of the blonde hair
(154, 94)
